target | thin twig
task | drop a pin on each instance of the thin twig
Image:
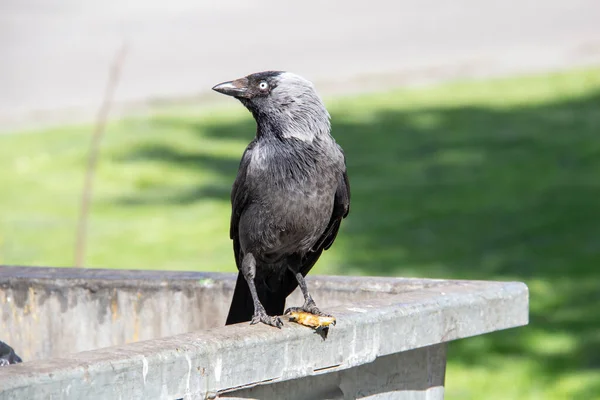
(86, 195)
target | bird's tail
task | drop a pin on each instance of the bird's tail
(242, 306)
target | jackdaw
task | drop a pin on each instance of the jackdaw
(289, 197)
(8, 355)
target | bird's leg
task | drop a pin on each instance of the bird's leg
(309, 305)
(260, 315)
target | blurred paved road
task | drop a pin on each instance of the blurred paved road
(54, 54)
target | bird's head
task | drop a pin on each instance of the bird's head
(282, 103)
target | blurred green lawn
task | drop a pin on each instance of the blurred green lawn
(481, 180)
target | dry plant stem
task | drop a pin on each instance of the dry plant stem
(86, 195)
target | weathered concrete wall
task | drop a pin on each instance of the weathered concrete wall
(412, 375)
(52, 312)
(46, 318)
(386, 326)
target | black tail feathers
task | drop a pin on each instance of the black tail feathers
(242, 306)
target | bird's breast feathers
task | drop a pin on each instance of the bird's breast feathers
(292, 191)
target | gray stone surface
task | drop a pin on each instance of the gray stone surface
(411, 375)
(56, 53)
(377, 317)
(79, 310)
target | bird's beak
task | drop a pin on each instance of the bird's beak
(237, 88)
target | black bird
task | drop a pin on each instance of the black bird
(289, 197)
(8, 355)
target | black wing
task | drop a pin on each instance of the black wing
(239, 201)
(341, 208)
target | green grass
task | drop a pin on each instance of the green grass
(482, 180)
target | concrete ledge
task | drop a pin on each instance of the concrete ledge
(413, 374)
(377, 317)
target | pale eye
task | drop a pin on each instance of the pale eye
(263, 85)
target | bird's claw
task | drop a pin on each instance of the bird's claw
(310, 308)
(266, 319)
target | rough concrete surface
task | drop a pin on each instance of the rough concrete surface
(377, 317)
(61, 311)
(411, 375)
(55, 54)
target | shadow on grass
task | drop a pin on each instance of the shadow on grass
(471, 193)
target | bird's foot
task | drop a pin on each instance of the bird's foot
(309, 307)
(261, 316)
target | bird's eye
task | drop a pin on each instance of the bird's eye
(263, 85)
